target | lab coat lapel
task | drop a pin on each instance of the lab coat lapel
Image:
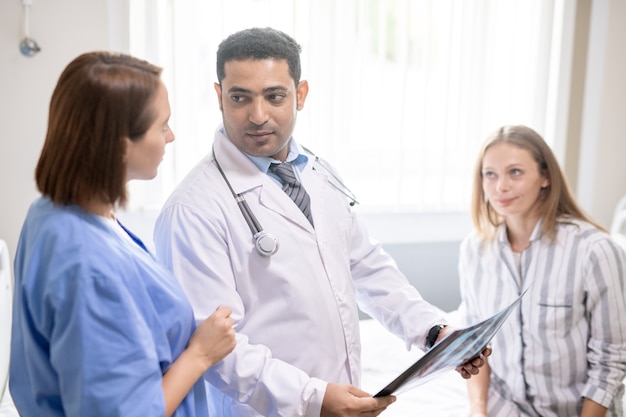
(274, 198)
(244, 176)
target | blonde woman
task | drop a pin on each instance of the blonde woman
(563, 353)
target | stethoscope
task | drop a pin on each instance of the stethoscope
(265, 243)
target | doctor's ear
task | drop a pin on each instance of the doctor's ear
(301, 93)
(218, 90)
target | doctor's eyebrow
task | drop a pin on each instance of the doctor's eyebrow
(267, 90)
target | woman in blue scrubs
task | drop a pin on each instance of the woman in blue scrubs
(100, 328)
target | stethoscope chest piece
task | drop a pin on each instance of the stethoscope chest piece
(266, 244)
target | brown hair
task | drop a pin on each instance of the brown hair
(556, 203)
(101, 99)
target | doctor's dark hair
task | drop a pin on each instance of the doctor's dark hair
(259, 44)
(556, 203)
(101, 98)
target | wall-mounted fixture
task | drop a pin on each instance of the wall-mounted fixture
(28, 46)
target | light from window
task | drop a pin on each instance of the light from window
(402, 92)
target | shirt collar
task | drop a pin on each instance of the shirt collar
(295, 156)
(536, 234)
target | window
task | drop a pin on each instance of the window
(402, 92)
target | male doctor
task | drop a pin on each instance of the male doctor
(294, 291)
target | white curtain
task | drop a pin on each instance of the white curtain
(402, 92)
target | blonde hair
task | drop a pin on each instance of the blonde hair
(556, 203)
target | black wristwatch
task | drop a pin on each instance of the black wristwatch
(433, 334)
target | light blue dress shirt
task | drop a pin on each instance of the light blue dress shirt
(297, 159)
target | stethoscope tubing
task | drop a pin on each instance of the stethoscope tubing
(251, 219)
(265, 243)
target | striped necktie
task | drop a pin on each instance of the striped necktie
(293, 188)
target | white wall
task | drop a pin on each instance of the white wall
(65, 28)
(602, 165)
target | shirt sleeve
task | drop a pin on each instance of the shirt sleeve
(606, 306)
(100, 346)
(385, 293)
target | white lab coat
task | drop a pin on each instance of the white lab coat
(295, 312)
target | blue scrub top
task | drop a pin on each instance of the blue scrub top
(96, 320)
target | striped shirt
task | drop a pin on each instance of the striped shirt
(567, 339)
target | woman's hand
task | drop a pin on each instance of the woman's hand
(214, 337)
(472, 366)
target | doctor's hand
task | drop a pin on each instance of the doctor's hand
(342, 400)
(214, 338)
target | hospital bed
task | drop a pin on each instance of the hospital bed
(618, 225)
(384, 357)
(6, 297)
(6, 294)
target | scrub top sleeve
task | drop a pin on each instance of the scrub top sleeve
(101, 348)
